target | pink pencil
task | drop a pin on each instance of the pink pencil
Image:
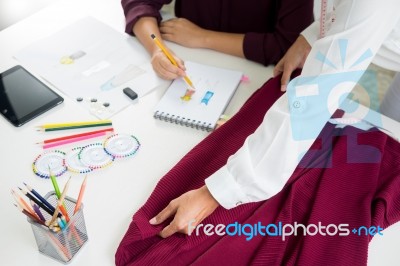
(48, 141)
(68, 141)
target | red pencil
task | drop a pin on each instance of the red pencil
(75, 136)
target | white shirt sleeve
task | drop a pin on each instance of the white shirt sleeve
(262, 166)
(311, 33)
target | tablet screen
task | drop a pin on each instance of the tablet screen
(23, 97)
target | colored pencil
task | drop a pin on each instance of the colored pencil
(61, 250)
(73, 127)
(23, 204)
(56, 229)
(37, 210)
(60, 223)
(64, 220)
(61, 200)
(79, 200)
(50, 222)
(77, 207)
(45, 202)
(64, 193)
(68, 141)
(20, 205)
(55, 184)
(171, 58)
(34, 218)
(76, 235)
(38, 202)
(75, 136)
(71, 124)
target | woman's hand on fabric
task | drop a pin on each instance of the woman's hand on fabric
(294, 58)
(183, 32)
(190, 208)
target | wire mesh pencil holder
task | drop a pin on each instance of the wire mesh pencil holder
(64, 244)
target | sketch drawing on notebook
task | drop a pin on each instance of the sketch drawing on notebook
(89, 59)
(201, 108)
(203, 86)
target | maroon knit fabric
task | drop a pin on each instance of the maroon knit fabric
(358, 194)
(270, 26)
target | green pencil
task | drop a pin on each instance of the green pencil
(55, 185)
(74, 127)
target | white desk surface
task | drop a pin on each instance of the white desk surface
(115, 193)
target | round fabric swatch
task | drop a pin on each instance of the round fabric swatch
(53, 161)
(94, 156)
(121, 145)
(74, 164)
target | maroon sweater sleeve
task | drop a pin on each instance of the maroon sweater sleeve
(135, 9)
(293, 16)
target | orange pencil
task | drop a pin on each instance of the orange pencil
(29, 215)
(82, 190)
(23, 204)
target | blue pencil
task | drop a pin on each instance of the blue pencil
(45, 202)
(38, 202)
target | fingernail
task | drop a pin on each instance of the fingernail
(283, 88)
(153, 220)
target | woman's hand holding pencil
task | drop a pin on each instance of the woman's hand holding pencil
(162, 70)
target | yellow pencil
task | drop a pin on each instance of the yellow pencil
(171, 58)
(73, 124)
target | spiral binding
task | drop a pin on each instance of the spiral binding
(183, 121)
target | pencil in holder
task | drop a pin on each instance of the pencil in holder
(67, 242)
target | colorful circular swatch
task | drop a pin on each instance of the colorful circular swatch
(52, 161)
(94, 156)
(121, 145)
(74, 164)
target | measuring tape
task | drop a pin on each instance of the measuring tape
(324, 23)
(322, 18)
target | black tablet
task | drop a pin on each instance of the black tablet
(24, 97)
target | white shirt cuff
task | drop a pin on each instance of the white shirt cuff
(311, 33)
(225, 190)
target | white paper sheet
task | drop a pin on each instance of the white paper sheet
(90, 60)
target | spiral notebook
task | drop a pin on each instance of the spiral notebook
(202, 109)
